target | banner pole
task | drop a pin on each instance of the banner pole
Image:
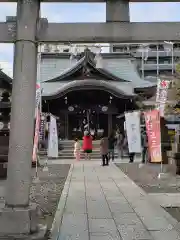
(36, 167)
(161, 167)
(37, 112)
(45, 168)
(39, 105)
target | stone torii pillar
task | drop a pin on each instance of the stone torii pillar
(16, 217)
(117, 11)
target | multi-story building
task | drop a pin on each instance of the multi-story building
(152, 59)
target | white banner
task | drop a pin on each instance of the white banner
(53, 139)
(133, 131)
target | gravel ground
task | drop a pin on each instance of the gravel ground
(47, 191)
(147, 178)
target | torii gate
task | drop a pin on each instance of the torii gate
(26, 31)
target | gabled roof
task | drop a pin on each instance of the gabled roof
(5, 80)
(117, 70)
(84, 62)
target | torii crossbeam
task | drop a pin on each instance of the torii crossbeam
(117, 29)
(92, 1)
(112, 32)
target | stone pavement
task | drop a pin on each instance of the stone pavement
(103, 203)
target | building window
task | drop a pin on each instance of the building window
(151, 61)
(161, 61)
(66, 50)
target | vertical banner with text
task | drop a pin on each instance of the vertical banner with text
(133, 131)
(37, 110)
(152, 119)
(161, 95)
(36, 137)
(53, 139)
(42, 127)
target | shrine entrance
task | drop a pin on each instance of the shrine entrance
(94, 110)
(88, 119)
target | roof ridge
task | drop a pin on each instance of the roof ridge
(66, 71)
(75, 67)
(6, 78)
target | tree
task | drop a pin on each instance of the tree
(173, 99)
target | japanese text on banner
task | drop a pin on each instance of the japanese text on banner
(152, 119)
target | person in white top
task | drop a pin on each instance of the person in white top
(77, 149)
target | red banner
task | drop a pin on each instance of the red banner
(152, 119)
(36, 136)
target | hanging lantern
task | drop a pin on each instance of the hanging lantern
(168, 47)
(99, 61)
(74, 50)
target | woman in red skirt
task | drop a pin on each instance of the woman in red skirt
(87, 145)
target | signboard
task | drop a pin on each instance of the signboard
(152, 119)
(42, 127)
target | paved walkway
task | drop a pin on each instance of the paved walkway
(102, 203)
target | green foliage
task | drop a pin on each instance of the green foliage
(178, 68)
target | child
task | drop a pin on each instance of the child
(77, 149)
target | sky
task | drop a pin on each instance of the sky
(86, 12)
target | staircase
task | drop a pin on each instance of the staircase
(68, 150)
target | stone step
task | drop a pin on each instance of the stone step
(71, 154)
(64, 151)
(71, 143)
(68, 150)
(82, 157)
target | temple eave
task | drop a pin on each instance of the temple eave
(88, 85)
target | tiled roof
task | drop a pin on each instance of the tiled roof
(123, 70)
(126, 69)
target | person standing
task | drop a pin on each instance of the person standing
(77, 149)
(87, 145)
(125, 146)
(144, 141)
(119, 144)
(104, 151)
(111, 145)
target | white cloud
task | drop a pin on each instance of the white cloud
(7, 9)
(156, 12)
(7, 67)
(6, 58)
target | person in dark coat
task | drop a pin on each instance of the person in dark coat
(119, 143)
(111, 142)
(125, 146)
(104, 151)
(144, 142)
